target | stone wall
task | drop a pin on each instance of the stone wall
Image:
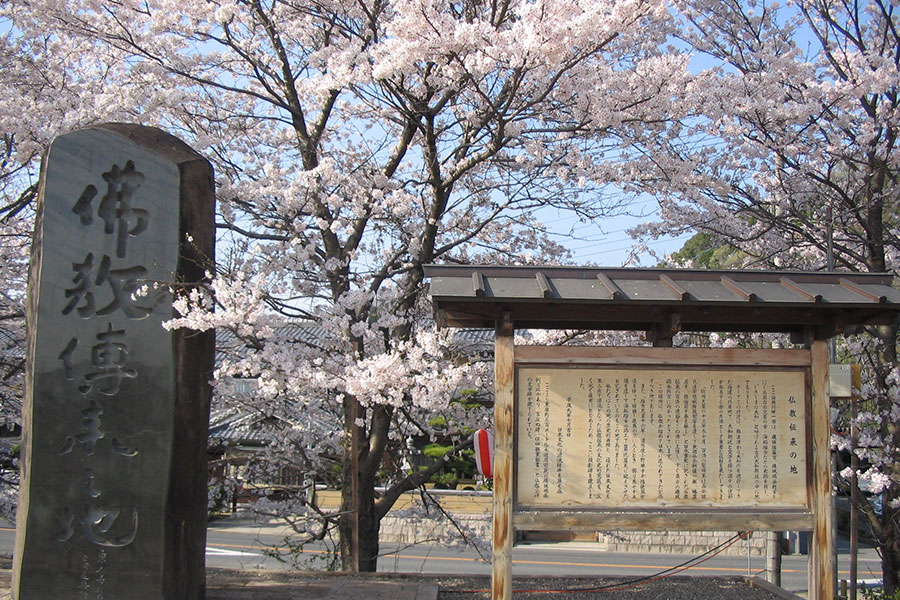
(407, 527)
(679, 542)
(416, 529)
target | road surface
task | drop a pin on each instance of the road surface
(240, 545)
(245, 546)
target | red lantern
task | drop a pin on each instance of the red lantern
(484, 452)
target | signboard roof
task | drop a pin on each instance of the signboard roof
(662, 300)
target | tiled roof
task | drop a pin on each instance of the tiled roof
(229, 345)
(245, 428)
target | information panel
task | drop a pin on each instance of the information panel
(609, 437)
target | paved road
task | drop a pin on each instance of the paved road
(244, 546)
(239, 545)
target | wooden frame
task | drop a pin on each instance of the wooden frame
(821, 554)
(724, 357)
(507, 518)
(504, 400)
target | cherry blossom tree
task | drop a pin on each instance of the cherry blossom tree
(17, 192)
(15, 235)
(786, 150)
(353, 143)
(45, 97)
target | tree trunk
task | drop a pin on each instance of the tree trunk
(890, 551)
(888, 534)
(889, 545)
(369, 526)
(359, 540)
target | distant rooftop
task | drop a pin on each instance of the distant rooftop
(229, 346)
(662, 300)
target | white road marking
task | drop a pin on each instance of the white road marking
(223, 552)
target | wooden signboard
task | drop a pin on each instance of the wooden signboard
(613, 437)
(551, 475)
(646, 439)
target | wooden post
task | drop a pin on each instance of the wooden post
(821, 556)
(773, 557)
(504, 389)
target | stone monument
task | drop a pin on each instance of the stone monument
(112, 502)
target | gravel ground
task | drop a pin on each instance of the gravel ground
(576, 588)
(226, 584)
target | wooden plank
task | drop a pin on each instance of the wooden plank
(504, 397)
(721, 519)
(544, 285)
(792, 285)
(478, 284)
(846, 283)
(743, 293)
(724, 315)
(675, 287)
(611, 288)
(821, 576)
(736, 357)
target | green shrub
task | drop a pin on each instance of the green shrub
(444, 481)
(879, 594)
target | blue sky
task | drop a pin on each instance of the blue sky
(607, 243)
